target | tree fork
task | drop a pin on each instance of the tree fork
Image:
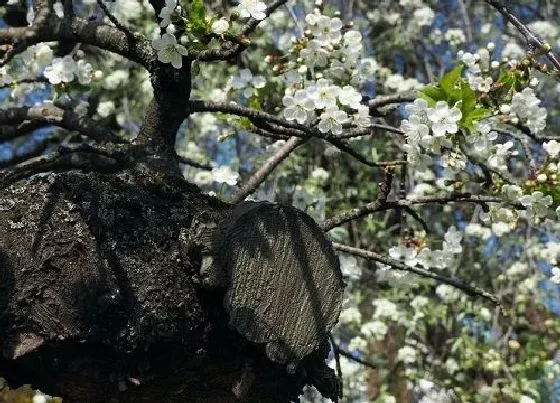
(100, 298)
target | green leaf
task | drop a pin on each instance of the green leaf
(255, 103)
(449, 81)
(198, 21)
(468, 96)
(475, 115)
(432, 94)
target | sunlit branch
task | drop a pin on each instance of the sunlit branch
(467, 289)
(384, 100)
(284, 127)
(369, 131)
(106, 37)
(238, 110)
(535, 43)
(262, 173)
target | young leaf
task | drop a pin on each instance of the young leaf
(468, 96)
(432, 95)
(198, 21)
(449, 80)
(475, 115)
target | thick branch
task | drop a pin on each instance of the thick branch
(53, 115)
(112, 39)
(84, 158)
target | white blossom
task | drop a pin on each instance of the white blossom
(252, 8)
(220, 26)
(552, 147)
(447, 293)
(61, 70)
(348, 96)
(166, 12)
(406, 355)
(385, 309)
(105, 108)
(332, 120)
(375, 329)
(169, 51)
(298, 106)
(444, 119)
(325, 29)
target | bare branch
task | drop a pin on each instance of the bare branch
(262, 173)
(473, 291)
(370, 130)
(384, 100)
(352, 357)
(384, 190)
(188, 161)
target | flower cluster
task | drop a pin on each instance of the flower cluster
(65, 69)
(331, 56)
(428, 128)
(525, 105)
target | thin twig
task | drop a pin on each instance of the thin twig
(351, 357)
(535, 43)
(375, 207)
(114, 19)
(384, 190)
(232, 49)
(336, 352)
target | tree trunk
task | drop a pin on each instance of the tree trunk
(101, 298)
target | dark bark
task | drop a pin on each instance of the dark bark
(100, 288)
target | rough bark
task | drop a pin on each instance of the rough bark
(100, 289)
